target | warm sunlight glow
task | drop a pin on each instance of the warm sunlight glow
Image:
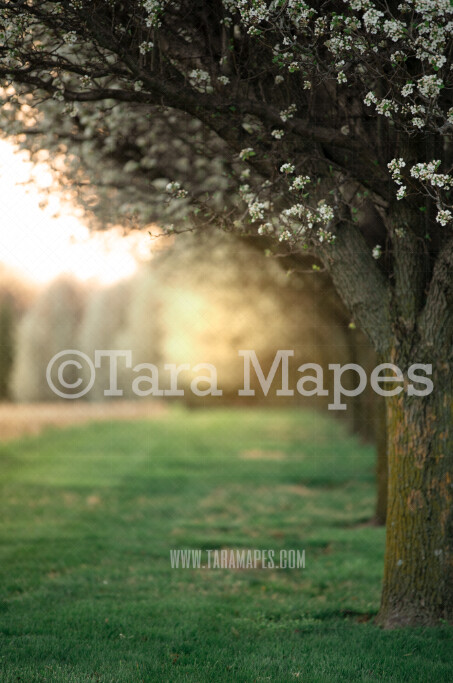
(43, 243)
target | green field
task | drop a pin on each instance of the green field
(89, 515)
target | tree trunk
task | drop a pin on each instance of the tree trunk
(418, 573)
(381, 461)
(409, 319)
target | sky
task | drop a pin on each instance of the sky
(44, 242)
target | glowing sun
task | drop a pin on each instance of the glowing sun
(44, 242)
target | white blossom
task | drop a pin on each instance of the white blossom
(299, 182)
(395, 166)
(418, 122)
(153, 9)
(324, 213)
(145, 47)
(70, 38)
(407, 89)
(370, 99)
(430, 86)
(246, 153)
(285, 235)
(325, 236)
(201, 80)
(372, 20)
(174, 188)
(377, 251)
(444, 216)
(288, 113)
(385, 107)
(394, 29)
(256, 210)
(266, 229)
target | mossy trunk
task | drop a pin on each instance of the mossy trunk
(418, 573)
(408, 317)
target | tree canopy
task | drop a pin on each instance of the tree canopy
(318, 116)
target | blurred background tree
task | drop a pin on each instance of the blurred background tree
(16, 297)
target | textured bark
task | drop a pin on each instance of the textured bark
(360, 283)
(381, 461)
(418, 574)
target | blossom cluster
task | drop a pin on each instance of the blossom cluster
(175, 190)
(201, 80)
(288, 113)
(154, 10)
(427, 174)
(146, 47)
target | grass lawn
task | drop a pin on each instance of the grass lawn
(89, 515)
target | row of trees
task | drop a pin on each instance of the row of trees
(315, 129)
(201, 301)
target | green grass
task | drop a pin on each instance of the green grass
(88, 518)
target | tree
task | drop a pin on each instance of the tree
(333, 125)
(6, 345)
(50, 325)
(16, 296)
